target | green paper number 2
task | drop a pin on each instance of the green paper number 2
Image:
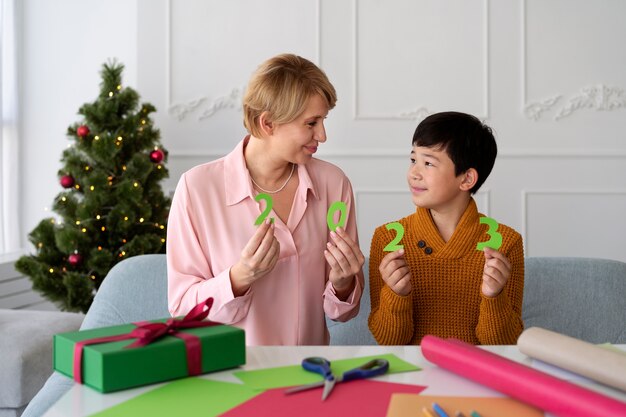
(268, 207)
(394, 244)
(496, 238)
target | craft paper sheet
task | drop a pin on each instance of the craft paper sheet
(362, 398)
(405, 405)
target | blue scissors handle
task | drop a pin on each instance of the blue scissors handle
(321, 366)
(318, 365)
(371, 369)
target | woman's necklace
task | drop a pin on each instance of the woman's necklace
(293, 166)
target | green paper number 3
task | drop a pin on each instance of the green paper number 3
(268, 207)
(495, 240)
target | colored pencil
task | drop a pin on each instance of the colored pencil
(427, 412)
(439, 410)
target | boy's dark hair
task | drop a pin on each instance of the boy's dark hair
(468, 142)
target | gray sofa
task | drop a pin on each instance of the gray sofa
(26, 353)
(583, 298)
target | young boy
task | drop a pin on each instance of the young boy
(439, 283)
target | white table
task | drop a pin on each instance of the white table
(82, 401)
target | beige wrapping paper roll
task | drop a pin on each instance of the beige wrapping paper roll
(575, 355)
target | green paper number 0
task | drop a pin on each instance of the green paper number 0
(330, 216)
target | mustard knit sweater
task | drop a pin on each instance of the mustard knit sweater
(445, 298)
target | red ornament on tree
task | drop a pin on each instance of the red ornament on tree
(82, 131)
(157, 156)
(75, 259)
(67, 181)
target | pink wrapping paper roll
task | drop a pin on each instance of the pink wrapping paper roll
(519, 381)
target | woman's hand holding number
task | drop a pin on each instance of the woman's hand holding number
(258, 257)
(345, 259)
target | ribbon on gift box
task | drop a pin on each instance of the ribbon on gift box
(148, 332)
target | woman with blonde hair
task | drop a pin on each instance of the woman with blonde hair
(277, 280)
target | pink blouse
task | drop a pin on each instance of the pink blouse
(211, 220)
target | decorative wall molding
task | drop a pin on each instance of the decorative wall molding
(229, 101)
(597, 97)
(180, 111)
(418, 114)
(421, 111)
(535, 109)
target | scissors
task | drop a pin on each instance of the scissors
(321, 366)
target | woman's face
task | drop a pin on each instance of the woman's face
(298, 140)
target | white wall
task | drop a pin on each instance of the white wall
(63, 46)
(548, 75)
(65, 43)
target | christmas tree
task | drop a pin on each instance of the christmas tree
(112, 206)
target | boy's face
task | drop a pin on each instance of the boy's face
(431, 178)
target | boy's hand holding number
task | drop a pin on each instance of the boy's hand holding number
(496, 272)
(342, 254)
(393, 268)
(396, 273)
(497, 269)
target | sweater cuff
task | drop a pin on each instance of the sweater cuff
(394, 303)
(495, 305)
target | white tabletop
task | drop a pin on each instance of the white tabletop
(82, 401)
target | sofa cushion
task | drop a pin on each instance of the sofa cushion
(26, 351)
(581, 297)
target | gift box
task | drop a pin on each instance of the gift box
(119, 357)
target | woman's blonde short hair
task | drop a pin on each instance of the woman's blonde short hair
(282, 86)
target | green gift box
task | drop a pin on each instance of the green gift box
(112, 366)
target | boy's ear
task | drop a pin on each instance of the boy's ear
(470, 177)
(265, 124)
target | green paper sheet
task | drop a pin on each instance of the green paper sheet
(286, 376)
(183, 397)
